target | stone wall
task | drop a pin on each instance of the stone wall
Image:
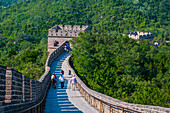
(18, 93)
(107, 104)
(2, 85)
(60, 34)
(52, 39)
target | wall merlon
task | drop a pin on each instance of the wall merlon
(76, 28)
(67, 27)
(65, 30)
(60, 27)
(84, 27)
(59, 34)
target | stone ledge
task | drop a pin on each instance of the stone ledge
(113, 101)
(25, 92)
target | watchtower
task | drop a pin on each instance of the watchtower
(59, 34)
(140, 35)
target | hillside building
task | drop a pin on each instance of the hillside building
(59, 34)
(140, 35)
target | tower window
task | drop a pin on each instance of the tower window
(56, 43)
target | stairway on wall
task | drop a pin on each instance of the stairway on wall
(64, 100)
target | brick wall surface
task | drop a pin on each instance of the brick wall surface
(62, 34)
(18, 92)
(2, 84)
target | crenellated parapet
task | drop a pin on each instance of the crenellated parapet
(62, 33)
(22, 94)
(67, 30)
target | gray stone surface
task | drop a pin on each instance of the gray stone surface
(60, 34)
(62, 100)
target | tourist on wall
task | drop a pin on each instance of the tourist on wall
(62, 72)
(54, 80)
(62, 80)
(67, 44)
(73, 82)
(65, 48)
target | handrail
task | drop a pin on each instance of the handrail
(107, 100)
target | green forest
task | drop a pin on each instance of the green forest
(122, 68)
(7, 3)
(110, 63)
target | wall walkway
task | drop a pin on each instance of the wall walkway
(19, 94)
(107, 104)
(64, 100)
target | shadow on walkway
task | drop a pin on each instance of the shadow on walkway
(57, 99)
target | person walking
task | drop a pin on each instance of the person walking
(52, 76)
(65, 48)
(62, 80)
(62, 72)
(54, 80)
(73, 82)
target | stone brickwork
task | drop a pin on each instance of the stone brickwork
(19, 93)
(2, 84)
(60, 34)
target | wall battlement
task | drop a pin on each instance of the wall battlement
(66, 30)
(62, 33)
(18, 93)
(21, 94)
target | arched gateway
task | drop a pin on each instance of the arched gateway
(59, 34)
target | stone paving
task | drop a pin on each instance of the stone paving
(64, 100)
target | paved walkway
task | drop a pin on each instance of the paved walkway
(64, 100)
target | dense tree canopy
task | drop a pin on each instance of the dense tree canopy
(115, 65)
(136, 72)
(7, 3)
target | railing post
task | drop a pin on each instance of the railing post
(30, 89)
(122, 110)
(38, 108)
(41, 108)
(103, 106)
(2, 87)
(32, 110)
(89, 99)
(94, 102)
(33, 89)
(8, 85)
(110, 108)
(23, 88)
(26, 89)
(100, 106)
